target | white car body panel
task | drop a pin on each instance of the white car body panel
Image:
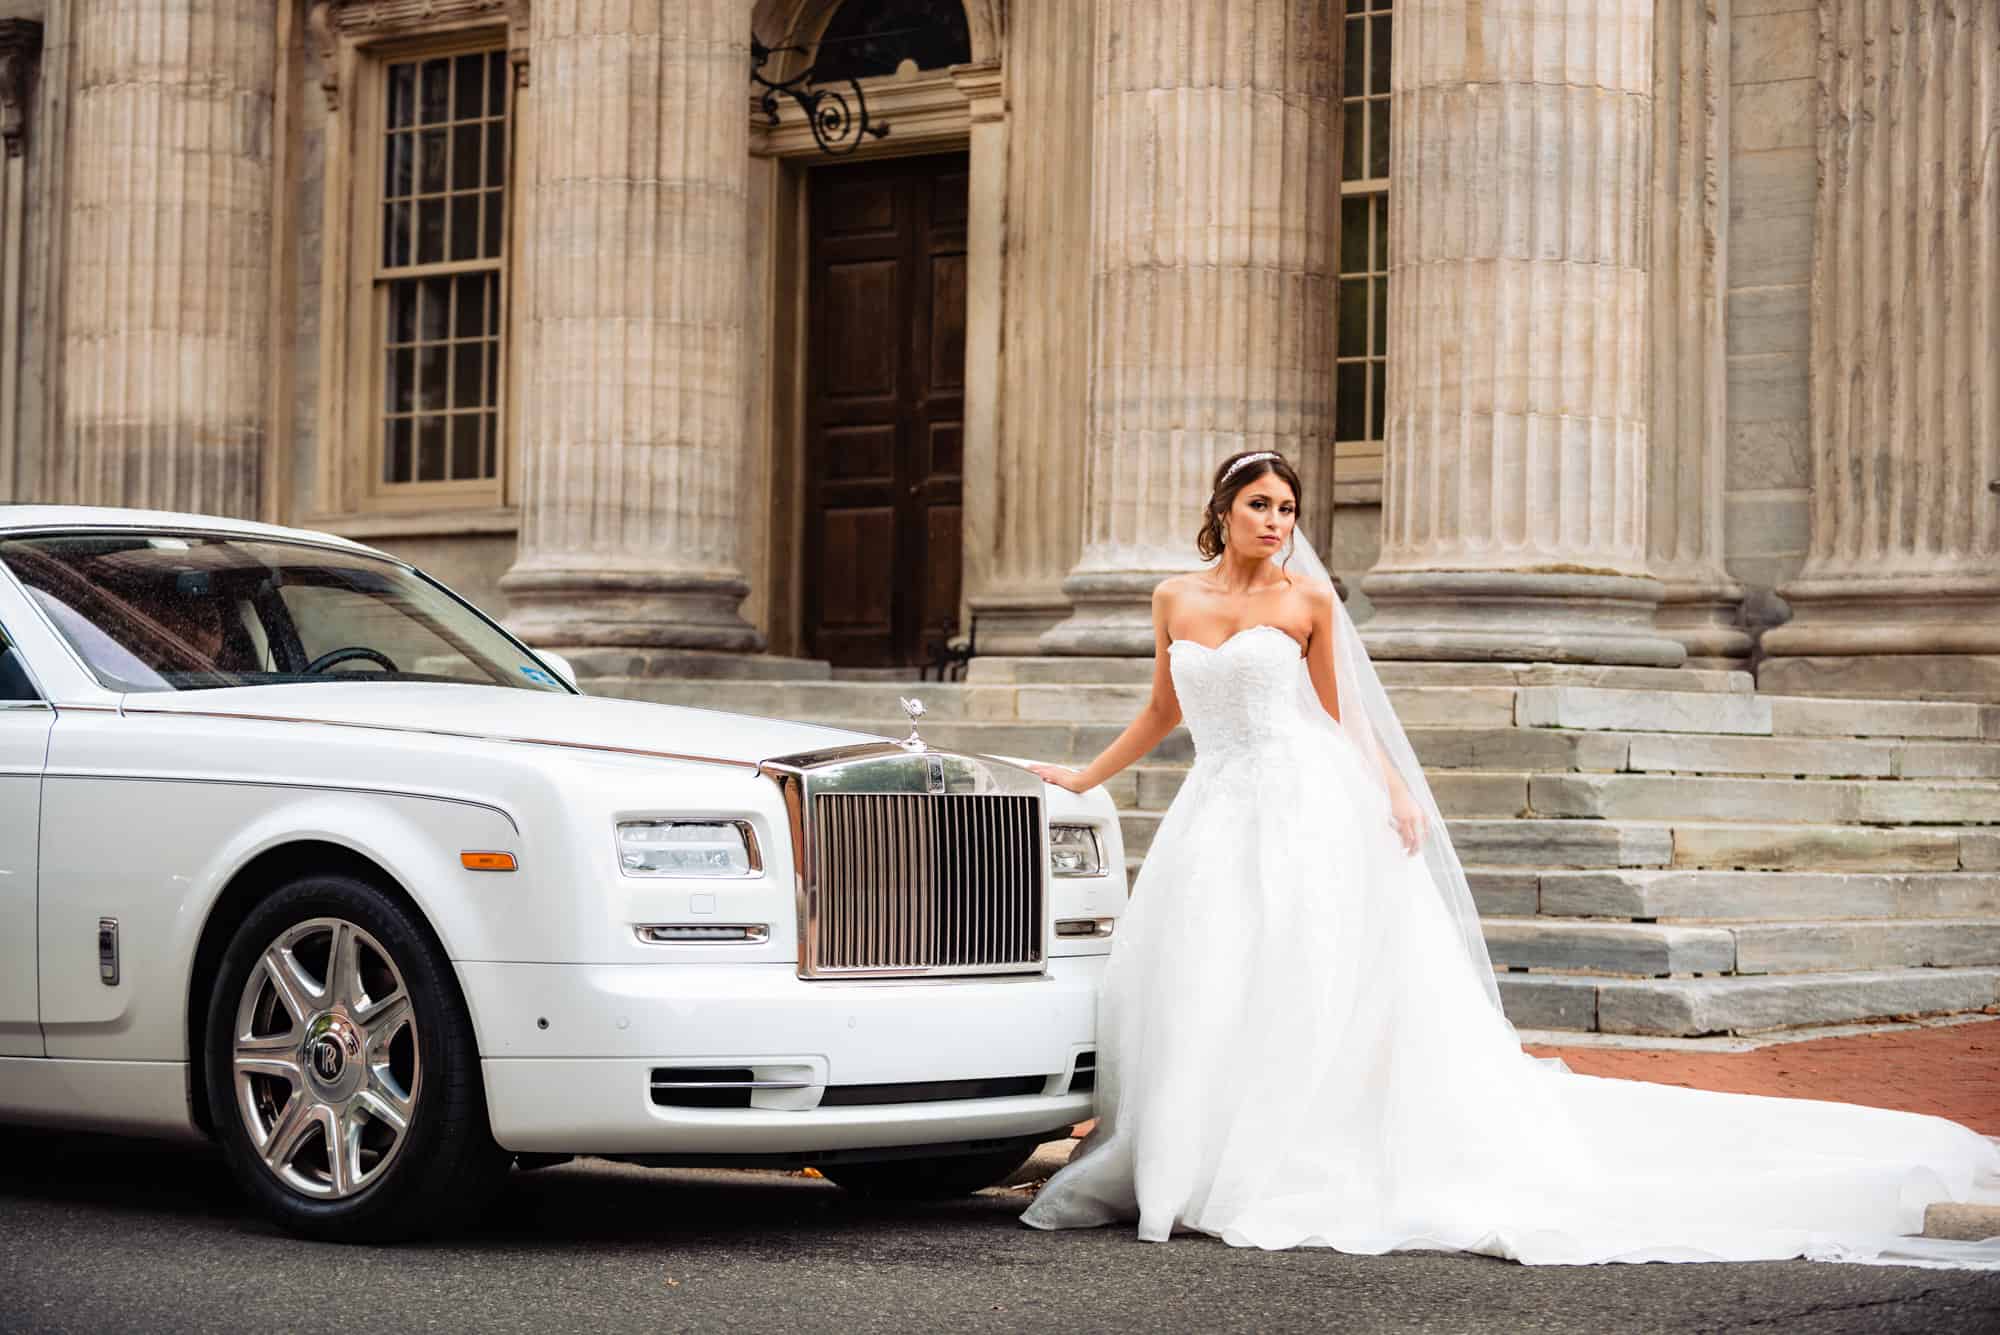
(152, 804)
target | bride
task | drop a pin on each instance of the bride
(1300, 1037)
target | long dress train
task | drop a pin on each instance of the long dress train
(1295, 1050)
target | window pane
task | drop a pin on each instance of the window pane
(431, 163)
(496, 154)
(468, 82)
(402, 95)
(1350, 402)
(1381, 215)
(1378, 138)
(397, 169)
(430, 377)
(434, 311)
(489, 439)
(465, 446)
(1381, 316)
(467, 362)
(1353, 118)
(430, 231)
(465, 227)
(1355, 80)
(495, 234)
(465, 157)
(496, 83)
(470, 319)
(402, 313)
(1353, 235)
(436, 96)
(1376, 411)
(400, 395)
(1354, 317)
(396, 459)
(430, 449)
(1378, 57)
(395, 235)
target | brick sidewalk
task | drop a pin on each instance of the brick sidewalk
(1950, 1071)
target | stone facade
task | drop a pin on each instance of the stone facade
(1692, 346)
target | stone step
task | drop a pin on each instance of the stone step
(1725, 846)
(1537, 843)
(1458, 793)
(1000, 670)
(1606, 710)
(1689, 1007)
(1828, 801)
(1818, 716)
(1725, 895)
(1659, 949)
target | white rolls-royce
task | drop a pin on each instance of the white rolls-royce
(301, 852)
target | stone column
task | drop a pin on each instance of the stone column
(1024, 527)
(1514, 477)
(1213, 254)
(167, 351)
(20, 49)
(1900, 592)
(1688, 431)
(633, 418)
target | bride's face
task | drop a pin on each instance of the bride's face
(1261, 517)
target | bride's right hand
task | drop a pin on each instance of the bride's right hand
(1061, 776)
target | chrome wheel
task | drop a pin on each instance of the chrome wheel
(327, 1071)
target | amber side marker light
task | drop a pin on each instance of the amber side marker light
(487, 861)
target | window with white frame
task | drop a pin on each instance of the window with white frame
(439, 276)
(1362, 345)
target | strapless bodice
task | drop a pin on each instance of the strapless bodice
(1243, 695)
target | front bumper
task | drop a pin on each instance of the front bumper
(570, 1053)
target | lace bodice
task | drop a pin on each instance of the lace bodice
(1244, 695)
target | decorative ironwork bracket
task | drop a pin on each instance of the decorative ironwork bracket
(837, 127)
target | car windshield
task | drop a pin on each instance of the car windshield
(184, 612)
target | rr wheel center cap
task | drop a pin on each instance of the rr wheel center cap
(332, 1056)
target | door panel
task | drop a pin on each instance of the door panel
(883, 450)
(24, 749)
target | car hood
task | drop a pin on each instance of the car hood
(500, 714)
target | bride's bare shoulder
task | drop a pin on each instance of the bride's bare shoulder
(1172, 589)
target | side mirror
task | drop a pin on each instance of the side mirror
(561, 665)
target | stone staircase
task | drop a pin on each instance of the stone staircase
(1658, 852)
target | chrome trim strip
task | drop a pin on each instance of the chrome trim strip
(300, 785)
(733, 1084)
(647, 753)
(656, 933)
(23, 706)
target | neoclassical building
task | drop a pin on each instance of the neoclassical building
(1639, 332)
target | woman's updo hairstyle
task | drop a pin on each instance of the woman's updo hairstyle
(1232, 476)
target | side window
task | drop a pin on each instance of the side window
(14, 682)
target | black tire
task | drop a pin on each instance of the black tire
(444, 1164)
(929, 1179)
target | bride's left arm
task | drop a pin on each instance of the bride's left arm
(1319, 650)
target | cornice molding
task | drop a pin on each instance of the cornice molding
(332, 22)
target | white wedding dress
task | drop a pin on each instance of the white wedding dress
(1296, 1049)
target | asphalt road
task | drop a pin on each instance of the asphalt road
(108, 1235)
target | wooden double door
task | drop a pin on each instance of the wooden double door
(885, 424)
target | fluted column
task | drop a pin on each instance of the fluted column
(633, 422)
(1514, 478)
(1900, 591)
(1024, 525)
(1688, 432)
(1214, 238)
(166, 354)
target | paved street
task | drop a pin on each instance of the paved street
(102, 1235)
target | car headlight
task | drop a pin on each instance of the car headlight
(687, 848)
(1073, 851)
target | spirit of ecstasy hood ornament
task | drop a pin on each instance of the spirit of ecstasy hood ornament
(915, 710)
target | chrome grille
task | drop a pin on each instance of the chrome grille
(942, 884)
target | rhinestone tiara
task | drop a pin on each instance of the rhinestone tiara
(1246, 461)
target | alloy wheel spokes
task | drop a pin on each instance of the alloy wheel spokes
(326, 1061)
